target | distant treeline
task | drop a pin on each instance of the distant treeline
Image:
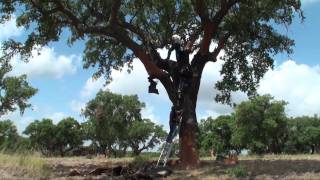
(260, 126)
(114, 127)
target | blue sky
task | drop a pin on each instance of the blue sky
(64, 86)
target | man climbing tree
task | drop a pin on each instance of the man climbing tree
(116, 31)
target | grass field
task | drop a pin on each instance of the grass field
(23, 166)
(249, 167)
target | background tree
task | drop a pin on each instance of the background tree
(116, 31)
(8, 135)
(69, 135)
(215, 134)
(143, 135)
(261, 125)
(14, 91)
(42, 135)
(303, 135)
(108, 117)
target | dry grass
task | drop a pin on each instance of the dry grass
(282, 157)
(16, 166)
(257, 167)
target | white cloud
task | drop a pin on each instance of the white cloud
(77, 106)
(126, 83)
(123, 82)
(91, 87)
(309, 1)
(21, 122)
(46, 64)
(298, 84)
(206, 105)
(135, 82)
(148, 113)
(9, 29)
(57, 116)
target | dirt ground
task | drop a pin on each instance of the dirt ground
(255, 167)
(265, 167)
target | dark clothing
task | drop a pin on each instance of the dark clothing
(173, 123)
(182, 75)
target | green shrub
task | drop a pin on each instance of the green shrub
(238, 171)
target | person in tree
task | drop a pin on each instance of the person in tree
(174, 122)
(182, 72)
(181, 78)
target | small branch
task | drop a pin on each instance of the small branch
(210, 27)
(217, 19)
(193, 37)
(136, 30)
(74, 20)
(221, 44)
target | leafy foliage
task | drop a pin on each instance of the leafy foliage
(8, 135)
(42, 135)
(116, 31)
(216, 134)
(304, 135)
(51, 139)
(144, 135)
(14, 91)
(69, 135)
(260, 125)
(115, 123)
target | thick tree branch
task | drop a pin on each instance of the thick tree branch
(114, 10)
(221, 44)
(168, 85)
(122, 36)
(201, 10)
(210, 27)
(118, 33)
(80, 26)
(74, 20)
(136, 30)
(118, 30)
(225, 7)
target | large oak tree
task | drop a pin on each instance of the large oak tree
(116, 31)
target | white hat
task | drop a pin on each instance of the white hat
(176, 39)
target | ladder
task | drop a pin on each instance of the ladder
(167, 147)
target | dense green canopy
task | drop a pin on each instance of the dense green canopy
(261, 125)
(14, 91)
(115, 124)
(116, 31)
